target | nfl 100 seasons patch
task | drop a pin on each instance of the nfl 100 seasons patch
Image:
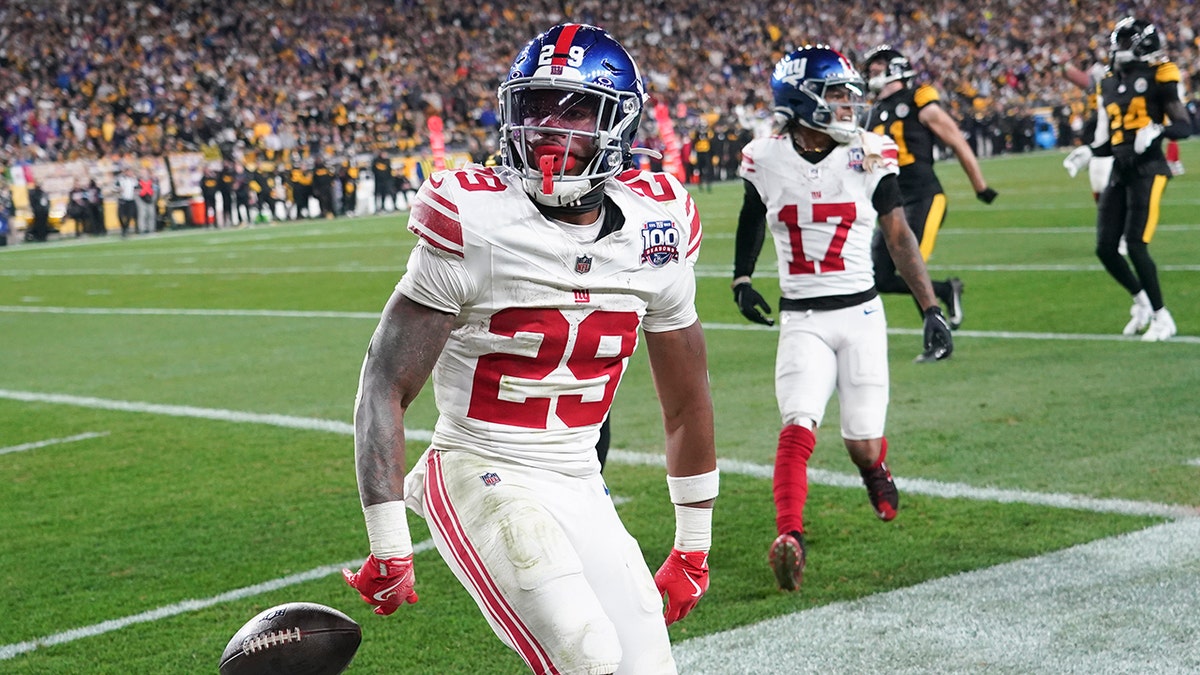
(660, 242)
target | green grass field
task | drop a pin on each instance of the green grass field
(174, 452)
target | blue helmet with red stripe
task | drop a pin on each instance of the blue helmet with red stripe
(569, 112)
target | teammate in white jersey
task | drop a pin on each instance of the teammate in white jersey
(820, 185)
(523, 298)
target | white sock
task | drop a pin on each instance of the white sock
(1141, 299)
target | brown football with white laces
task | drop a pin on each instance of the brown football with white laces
(297, 638)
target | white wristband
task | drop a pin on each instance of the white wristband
(692, 489)
(387, 530)
(693, 528)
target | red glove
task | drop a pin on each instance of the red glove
(682, 581)
(387, 584)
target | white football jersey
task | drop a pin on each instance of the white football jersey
(820, 215)
(546, 323)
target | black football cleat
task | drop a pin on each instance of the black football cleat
(787, 560)
(881, 490)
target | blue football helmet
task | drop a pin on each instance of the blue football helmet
(802, 83)
(568, 77)
(1135, 40)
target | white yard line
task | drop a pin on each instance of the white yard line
(702, 271)
(712, 653)
(374, 316)
(52, 441)
(9, 651)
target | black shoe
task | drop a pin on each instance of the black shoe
(787, 560)
(881, 490)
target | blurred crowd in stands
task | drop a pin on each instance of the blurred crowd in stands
(332, 79)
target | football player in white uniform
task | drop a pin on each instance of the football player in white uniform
(819, 187)
(523, 298)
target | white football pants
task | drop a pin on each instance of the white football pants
(547, 560)
(842, 350)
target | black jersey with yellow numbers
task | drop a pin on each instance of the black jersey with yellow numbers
(896, 116)
(1134, 98)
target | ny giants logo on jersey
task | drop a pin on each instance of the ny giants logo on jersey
(660, 242)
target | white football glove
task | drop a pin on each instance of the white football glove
(1145, 136)
(1077, 159)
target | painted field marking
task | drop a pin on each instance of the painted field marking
(52, 441)
(702, 271)
(9, 651)
(816, 476)
(1126, 604)
(915, 486)
(374, 316)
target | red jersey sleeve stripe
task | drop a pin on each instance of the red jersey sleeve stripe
(435, 220)
(695, 229)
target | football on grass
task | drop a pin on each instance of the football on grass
(297, 638)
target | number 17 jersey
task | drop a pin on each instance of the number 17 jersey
(820, 214)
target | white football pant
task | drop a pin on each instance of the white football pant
(842, 350)
(549, 563)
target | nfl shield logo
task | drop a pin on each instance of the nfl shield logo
(583, 264)
(489, 479)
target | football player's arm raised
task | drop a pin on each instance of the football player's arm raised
(402, 353)
(946, 129)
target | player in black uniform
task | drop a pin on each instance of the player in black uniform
(914, 118)
(1098, 162)
(1139, 103)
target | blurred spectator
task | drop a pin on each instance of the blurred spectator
(337, 79)
(147, 203)
(39, 205)
(126, 200)
(6, 213)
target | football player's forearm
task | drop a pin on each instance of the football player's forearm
(902, 245)
(678, 361)
(379, 447)
(1181, 124)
